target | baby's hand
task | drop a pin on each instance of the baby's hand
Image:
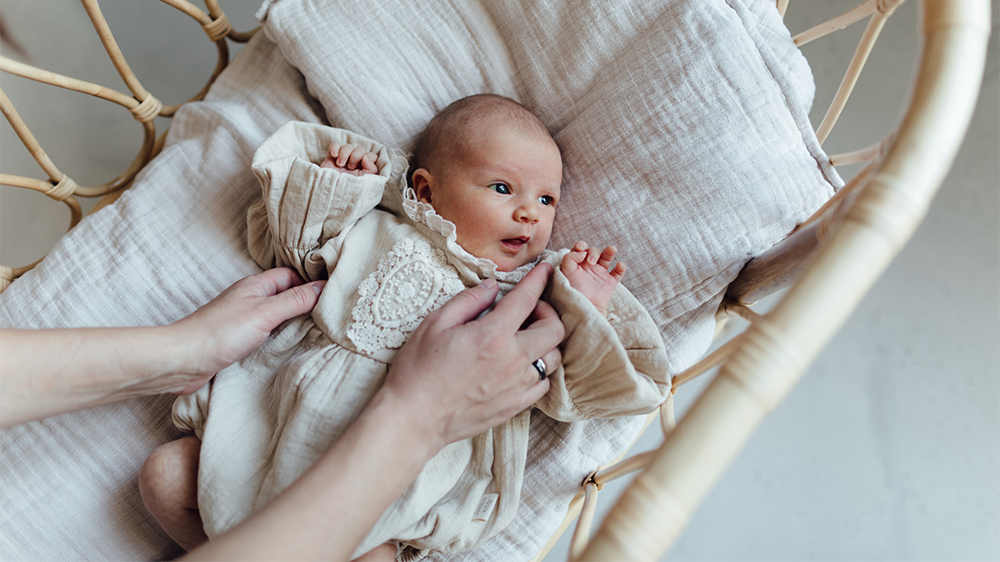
(588, 272)
(350, 159)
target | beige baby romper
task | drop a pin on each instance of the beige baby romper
(389, 260)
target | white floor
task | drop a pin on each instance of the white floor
(889, 449)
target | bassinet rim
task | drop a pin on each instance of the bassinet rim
(733, 305)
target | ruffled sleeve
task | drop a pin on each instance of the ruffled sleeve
(613, 366)
(304, 206)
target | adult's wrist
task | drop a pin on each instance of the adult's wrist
(411, 424)
(94, 366)
(182, 361)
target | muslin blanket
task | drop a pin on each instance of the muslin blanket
(699, 108)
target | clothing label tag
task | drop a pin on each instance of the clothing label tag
(485, 507)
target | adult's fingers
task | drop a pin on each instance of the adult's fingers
(531, 395)
(514, 309)
(551, 359)
(294, 302)
(274, 281)
(507, 407)
(466, 305)
(545, 332)
(537, 385)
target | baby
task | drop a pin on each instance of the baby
(337, 206)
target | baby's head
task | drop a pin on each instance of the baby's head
(489, 165)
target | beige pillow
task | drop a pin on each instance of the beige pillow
(683, 123)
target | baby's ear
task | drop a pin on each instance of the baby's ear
(422, 181)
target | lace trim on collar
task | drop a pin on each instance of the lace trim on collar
(423, 213)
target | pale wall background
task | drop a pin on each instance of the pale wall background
(889, 449)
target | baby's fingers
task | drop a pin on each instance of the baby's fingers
(344, 154)
(607, 256)
(354, 158)
(354, 162)
(333, 150)
(331, 156)
(619, 271)
(368, 163)
(571, 261)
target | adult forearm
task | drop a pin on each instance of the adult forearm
(328, 511)
(49, 372)
(455, 377)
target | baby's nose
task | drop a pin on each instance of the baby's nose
(526, 213)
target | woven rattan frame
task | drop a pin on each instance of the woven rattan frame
(829, 262)
(143, 106)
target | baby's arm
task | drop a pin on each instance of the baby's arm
(589, 271)
(613, 364)
(350, 159)
(303, 206)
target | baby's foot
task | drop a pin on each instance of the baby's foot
(350, 159)
(589, 271)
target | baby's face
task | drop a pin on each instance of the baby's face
(501, 194)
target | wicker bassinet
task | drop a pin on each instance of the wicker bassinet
(828, 263)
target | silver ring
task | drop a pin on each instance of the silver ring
(539, 366)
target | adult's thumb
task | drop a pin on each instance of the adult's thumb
(468, 304)
(295, 301)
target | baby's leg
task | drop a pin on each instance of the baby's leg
(168, 484)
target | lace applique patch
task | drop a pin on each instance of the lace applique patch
(411, 281)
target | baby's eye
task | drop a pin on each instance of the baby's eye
(546, 200)
(500, 187)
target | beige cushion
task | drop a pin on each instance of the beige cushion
(683, 124)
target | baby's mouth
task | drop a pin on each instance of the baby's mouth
(515, 244)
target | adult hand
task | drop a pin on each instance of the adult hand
(455, 377)
(239, 320)
(467, 375)
(98, 366)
